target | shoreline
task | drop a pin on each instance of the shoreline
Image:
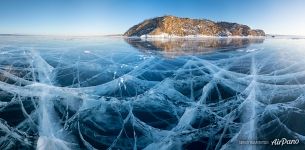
(166, 37)
(189, 37)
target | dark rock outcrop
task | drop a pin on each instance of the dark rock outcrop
(175, 26)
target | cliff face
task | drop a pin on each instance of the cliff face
(171, 25)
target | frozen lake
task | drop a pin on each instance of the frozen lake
(116, 93)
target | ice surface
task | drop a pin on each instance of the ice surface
(111, 93)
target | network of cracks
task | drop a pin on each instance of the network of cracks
(145, 101)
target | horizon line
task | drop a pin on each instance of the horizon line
(73, 35)
(96, 35)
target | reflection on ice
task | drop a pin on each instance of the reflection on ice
(105, 94)
(179, 46)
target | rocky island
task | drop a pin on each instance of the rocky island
(171, 26)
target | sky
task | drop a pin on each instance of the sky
(103, 17)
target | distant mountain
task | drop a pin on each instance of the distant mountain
(175, 26)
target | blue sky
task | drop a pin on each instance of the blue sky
(97, 17)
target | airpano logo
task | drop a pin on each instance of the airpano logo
(275, 142)
(284, 141)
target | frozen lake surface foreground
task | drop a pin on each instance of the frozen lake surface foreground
(168, 94)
